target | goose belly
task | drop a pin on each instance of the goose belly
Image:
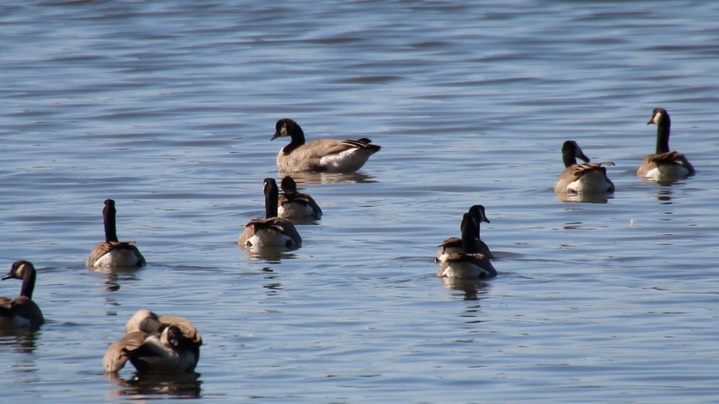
(592, 182)
(269, 238)
(348, 160)
(667, 172)
(118, 258)
(462, 270)
(295, 211)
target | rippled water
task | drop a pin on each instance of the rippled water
(168, 108)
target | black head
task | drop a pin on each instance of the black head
(287, 127)
(269, 184)
(660, 116)
(289, 186)
(477, 212)
(571, 152)
(108, 206)
(18, 269)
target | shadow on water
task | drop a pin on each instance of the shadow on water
(664, 195)
(329, 178)
(157, 385)
(584, 198)
(22, 341)
(115, 275)
(269, 254)
(472, 289)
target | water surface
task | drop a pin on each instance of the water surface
(169, 108)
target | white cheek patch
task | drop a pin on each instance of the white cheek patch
(657, 118)
(283, 131)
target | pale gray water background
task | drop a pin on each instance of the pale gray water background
(168, 108)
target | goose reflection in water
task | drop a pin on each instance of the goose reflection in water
(185, 385)
(584, 198)
(329, 178)
(473, 289)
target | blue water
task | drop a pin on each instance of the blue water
(168, 108)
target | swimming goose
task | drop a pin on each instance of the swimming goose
(453, 245)
(272, 231)
(322, 155)
(22, 311)
(664, 165)
(113, 253)
(586, 178)
(296, 205)
(157, 344)
(469, 263)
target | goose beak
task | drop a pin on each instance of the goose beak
(275, 136)
(8, 276)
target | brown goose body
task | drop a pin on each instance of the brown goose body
(112, 253)
(321, 155)
(585, 178)
(21, 312)
(272, 231)
(664, 165)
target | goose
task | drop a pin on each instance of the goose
(272, 231)
(664, 165)
(157, 344)
(296, 205)
(113, 253)
(453, 245)
(322, 155)
(21, 312)
(588, 178)
(469, 263)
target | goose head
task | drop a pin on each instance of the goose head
(288, 184)
(571, 152)
(25, 271)
(287, 127)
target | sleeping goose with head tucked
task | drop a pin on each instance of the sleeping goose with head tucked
(585, 178)
(664, 165)
(272, 231)
(321, 155)
(157, 344)
(21, 312)
(113, 253)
